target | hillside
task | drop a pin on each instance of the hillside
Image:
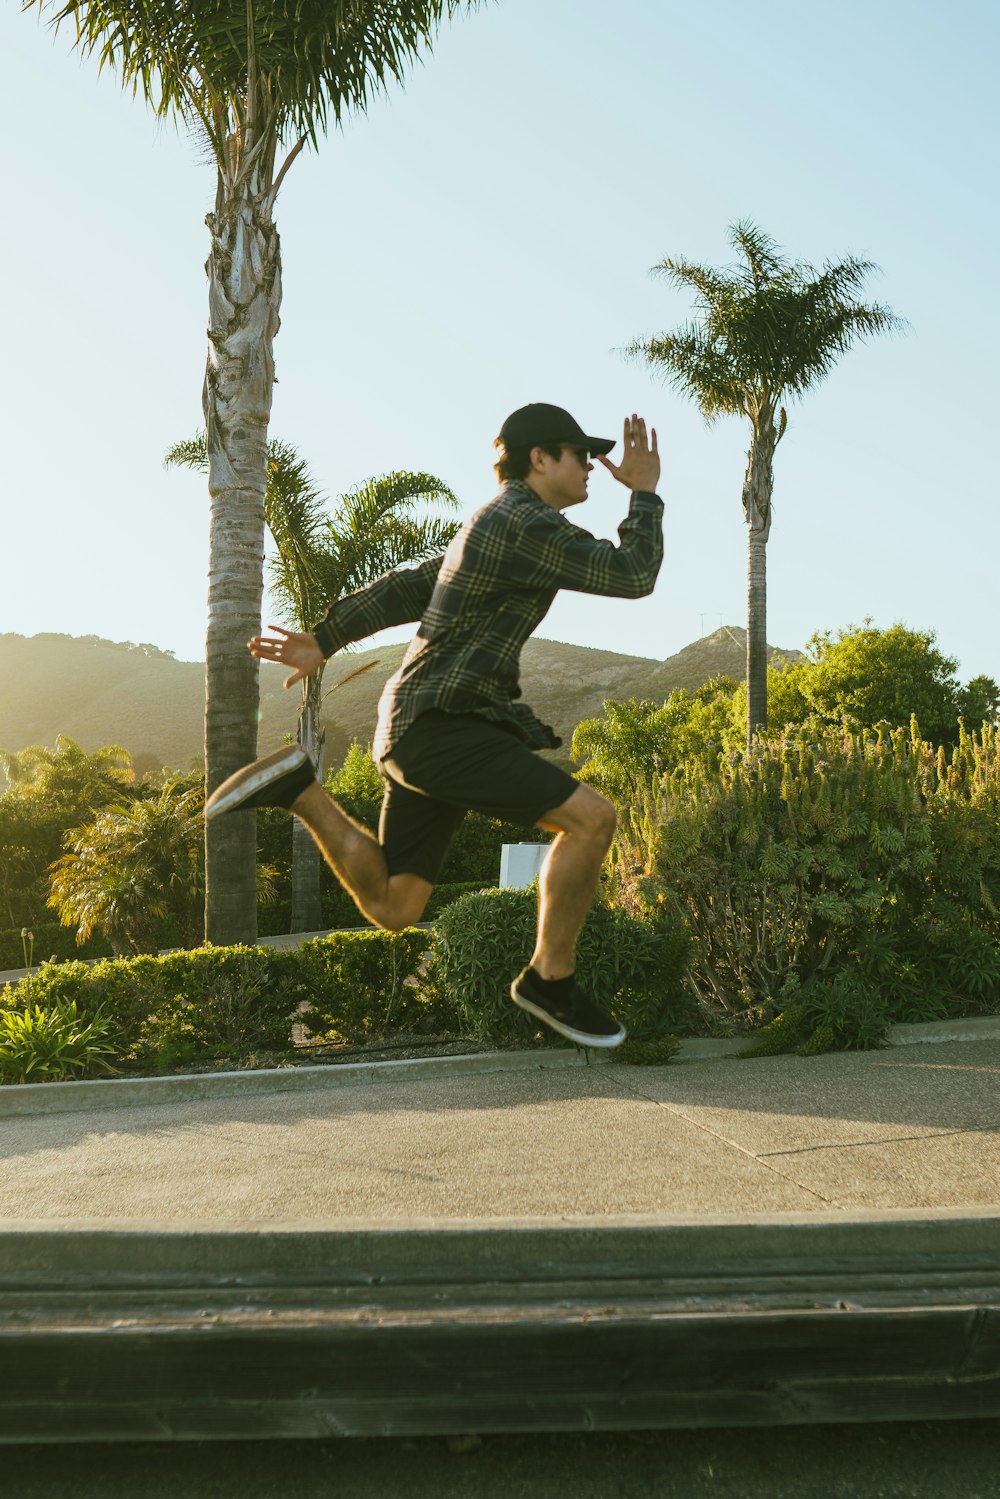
(106, 692)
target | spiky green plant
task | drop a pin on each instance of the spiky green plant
(52, 1044)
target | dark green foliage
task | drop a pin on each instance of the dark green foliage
(218, 1002)
(631, 967)
(340, 912)
(50, 790)
(47, 940)
(846, 1014)
(445, 895)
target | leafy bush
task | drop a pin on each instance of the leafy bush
(161, 1010)
(130, 867)
(632, 741)
(870, 858)
(633, 967)
(847, 1014)
(165, 1012)
(863, 677)
(49, 1045)
(646, 1053)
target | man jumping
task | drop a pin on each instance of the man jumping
(452, 736)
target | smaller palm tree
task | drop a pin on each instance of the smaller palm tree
(134, 864)
(767, 331)
(321, 555)
(69, 774)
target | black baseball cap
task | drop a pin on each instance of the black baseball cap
(542, 425)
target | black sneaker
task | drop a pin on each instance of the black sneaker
(577, 1018)
(275, 781)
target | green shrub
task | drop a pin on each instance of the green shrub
(868, 858)
(844, 1014)
(160, 1010)
(443, 896)
(631, 967)
(49, 1045)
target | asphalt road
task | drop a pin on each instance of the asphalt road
(929, 1460)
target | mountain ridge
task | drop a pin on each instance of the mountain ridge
(101, 692)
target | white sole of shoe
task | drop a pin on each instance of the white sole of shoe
(253, 778)
(582, 1038)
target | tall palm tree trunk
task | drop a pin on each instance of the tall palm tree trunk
(307, 913)
(244, 274)
(757, 488)
(756, 636)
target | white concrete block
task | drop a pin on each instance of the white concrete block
(520, 863)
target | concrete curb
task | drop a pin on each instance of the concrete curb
(973, 1028)
(105, 1093)
(113, 1093)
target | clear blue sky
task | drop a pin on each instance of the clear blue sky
(483, 238)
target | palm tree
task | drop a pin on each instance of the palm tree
(129, 867)
(319, 558)
(69, 774)
(768, 331)
(255, 80)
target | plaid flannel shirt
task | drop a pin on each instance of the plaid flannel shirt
(478, 603)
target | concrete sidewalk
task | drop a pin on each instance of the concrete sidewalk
(911, 1127)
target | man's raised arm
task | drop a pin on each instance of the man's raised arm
(397, 598)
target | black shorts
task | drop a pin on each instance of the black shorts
(447, 764)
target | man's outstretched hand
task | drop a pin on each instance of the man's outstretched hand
(640, 465)
(301, 652)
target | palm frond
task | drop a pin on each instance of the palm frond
(351, 676)
(768, 329)
(693, 364)
(280, 68)
(375, 529)
(712, 287)
(764, 262)
(192, 453)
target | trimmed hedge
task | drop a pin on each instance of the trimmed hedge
(366, 985)
(164, 1012)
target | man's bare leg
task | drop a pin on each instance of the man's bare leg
(354, 855)
(585, 826)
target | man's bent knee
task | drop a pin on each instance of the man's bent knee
(406, 899)
(586, 812)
